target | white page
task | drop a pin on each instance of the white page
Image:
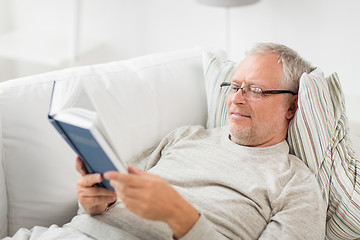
(70, 93)
(114, 101)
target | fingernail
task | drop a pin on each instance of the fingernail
(112, 183)
(99, 177)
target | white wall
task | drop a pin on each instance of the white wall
(326, 32)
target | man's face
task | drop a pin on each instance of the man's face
(263, 122)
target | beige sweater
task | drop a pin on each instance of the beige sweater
(241, 192)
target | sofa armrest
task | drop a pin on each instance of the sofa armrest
(3, 196)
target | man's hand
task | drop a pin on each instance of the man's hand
(150, 197)
(92, 198)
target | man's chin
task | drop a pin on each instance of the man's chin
(242, 136)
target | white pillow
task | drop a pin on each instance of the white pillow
(39, 165)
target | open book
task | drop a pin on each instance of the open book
(83, 132)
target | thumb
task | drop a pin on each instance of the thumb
(133, 170)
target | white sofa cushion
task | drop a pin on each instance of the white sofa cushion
(35, 160)
(3, 197)
(38, 164)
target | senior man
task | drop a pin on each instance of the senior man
(235, 182)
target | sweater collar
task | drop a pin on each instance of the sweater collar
(281, 147)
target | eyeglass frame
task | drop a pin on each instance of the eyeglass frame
(237, 88)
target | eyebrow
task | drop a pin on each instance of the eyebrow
(247, 83)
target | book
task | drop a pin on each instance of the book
(81, 129)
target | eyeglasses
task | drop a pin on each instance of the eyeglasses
(253, 92)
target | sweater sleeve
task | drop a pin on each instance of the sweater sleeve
(300, 213)
(203, 230)
(150, 157)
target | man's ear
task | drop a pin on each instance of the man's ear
(292, 107)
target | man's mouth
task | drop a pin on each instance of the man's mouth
(239, 115)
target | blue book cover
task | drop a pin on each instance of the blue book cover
(79, 129)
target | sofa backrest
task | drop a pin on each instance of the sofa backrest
(37, 166)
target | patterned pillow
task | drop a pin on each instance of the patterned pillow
(318, 134)
(217, 69)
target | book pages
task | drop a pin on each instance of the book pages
(117, 111)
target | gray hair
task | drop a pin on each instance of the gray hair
(293, 64)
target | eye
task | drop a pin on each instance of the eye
(255, 90)
(235, 88)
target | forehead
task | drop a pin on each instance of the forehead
(262, 70)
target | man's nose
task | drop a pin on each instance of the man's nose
(238, 97)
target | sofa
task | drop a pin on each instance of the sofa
(37, 174)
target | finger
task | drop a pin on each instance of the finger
(118, 187)
(96, 205)
(135, 171)
(125, 189)
(80, 167)
(113, 175)
(95, 192)
(90, 180)
(126, 192)
(129, 180)
(132, 177)
(99, 200)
